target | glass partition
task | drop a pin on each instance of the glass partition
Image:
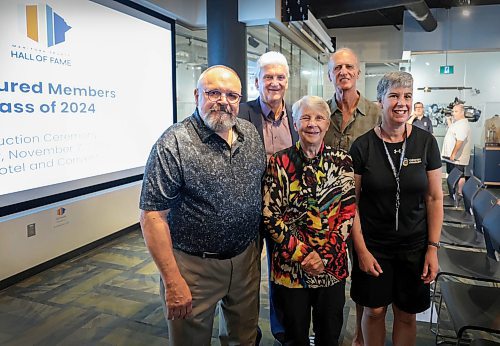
(306, 71)
(191, 61)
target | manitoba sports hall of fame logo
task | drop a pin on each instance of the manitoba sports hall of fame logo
(45, 26)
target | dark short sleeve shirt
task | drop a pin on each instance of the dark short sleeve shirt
(213, 190)
(377, 203)
(425, 123)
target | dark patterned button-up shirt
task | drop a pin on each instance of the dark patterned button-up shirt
(309, 204)
(211, 189)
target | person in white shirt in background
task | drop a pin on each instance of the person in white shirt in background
(457, 143)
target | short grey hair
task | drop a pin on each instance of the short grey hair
(314, 102)
(395, 79)
(271, 58)
(342, 50)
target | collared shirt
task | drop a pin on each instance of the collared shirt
(425, 123)
(211, 189)
(309, 204)
(458, 131)
(276, 132)
(366, 116)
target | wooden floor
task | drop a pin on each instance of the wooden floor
(109, 296)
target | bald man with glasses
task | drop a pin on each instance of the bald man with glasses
(201, 210)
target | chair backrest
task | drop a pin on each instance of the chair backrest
(452, 181)
(470, 189)
(491, 230)
(481, 205)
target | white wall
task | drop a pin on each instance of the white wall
(371, 44)
(193, 13)
(455, 31)
(86, 219)
(258, 12)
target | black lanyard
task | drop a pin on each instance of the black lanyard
(394, 171)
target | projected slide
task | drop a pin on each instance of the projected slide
(85, 90)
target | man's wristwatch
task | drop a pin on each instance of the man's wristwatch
(431, 243)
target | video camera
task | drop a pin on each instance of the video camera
(471, 114)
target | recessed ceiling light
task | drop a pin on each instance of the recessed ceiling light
(465, 12)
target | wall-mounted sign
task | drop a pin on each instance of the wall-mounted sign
(447, 69)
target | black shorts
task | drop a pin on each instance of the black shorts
(400, 283)
(450, 166)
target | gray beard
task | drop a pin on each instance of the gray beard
(218, 122)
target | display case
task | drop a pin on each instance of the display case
(487, 164)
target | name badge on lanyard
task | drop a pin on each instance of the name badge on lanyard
(396, 172)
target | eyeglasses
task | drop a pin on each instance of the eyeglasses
(216, 95)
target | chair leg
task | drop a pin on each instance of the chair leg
(438, 313)
(433, 304)
(461, 340)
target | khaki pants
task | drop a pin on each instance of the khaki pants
(234, 283)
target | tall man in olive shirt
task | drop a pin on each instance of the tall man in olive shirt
(352, 115)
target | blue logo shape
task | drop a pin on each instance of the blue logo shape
(56, 26)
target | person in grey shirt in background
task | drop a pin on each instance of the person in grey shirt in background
(201, 209)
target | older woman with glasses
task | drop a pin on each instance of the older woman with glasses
(309, 207)
(397, 170)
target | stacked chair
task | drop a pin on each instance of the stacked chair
(491, 224)
(452, 199)
(483, 342)
(459, 227)
(464, 216)
(468, 281)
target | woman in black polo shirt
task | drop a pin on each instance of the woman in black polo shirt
(396, 234)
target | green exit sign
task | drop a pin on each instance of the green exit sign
(447, 69)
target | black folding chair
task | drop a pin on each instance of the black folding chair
(469, 191)
(464, 235)
(471, 308)
(450, 199)
(483, 342)
(491, 230)
(464, 277)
